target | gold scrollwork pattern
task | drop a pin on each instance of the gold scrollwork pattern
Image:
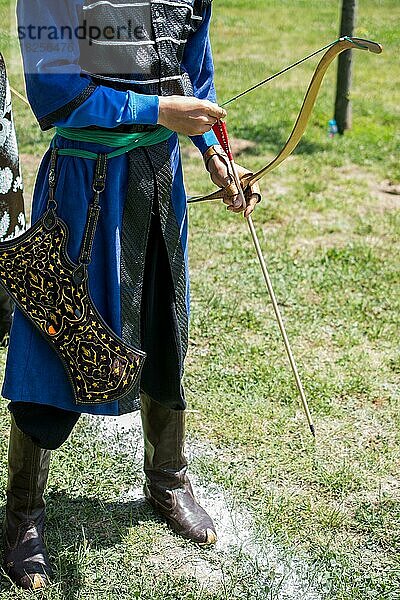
(39, 276)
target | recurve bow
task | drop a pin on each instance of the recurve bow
(336, 48)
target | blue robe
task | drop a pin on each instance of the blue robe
(34, 373)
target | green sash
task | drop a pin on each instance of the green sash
(124, 142)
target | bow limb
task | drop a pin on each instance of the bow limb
(304, 115)
(310, 99)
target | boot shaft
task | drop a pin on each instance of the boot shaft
(164, 437)
(28, 469)
(25, 557)
(167, 486)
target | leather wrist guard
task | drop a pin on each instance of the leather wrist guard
(216, 150)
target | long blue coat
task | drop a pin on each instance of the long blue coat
(34, 373)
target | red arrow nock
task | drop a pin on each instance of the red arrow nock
(221, 132)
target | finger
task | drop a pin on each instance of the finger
(202, 130)
(206, 120)
(252, 202)
(217, 111)
(255, 191)
(236, 209)
(230, 193)
(236, 204)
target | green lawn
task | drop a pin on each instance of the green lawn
(330, 231)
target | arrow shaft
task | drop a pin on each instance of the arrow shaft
(221, 132)
(281, 324)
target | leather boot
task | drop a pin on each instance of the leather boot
(25, 557)
(167, 486)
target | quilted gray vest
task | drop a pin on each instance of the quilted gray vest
(139, 44)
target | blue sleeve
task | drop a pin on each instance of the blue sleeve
(109, 108)
(198, 63)
(58, 91)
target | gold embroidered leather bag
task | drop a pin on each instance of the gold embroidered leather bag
(52, 292)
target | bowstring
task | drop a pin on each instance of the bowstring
(295, 64)
(257, 85)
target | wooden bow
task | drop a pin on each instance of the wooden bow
(342, 44)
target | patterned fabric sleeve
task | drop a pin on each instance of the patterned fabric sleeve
(12, 215)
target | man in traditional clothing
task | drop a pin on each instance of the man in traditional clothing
(12, 215)
(122, 68)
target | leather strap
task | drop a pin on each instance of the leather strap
(230, 189)
(216, 150)
(52, 204)
(99, 184)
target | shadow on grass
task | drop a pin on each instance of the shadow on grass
(77, 530)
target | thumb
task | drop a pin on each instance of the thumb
(217, 111)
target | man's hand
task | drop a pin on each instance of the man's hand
(188, 115)
(221, 175)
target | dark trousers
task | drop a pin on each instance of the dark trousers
(49, 427)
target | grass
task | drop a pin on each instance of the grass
(330, 233)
